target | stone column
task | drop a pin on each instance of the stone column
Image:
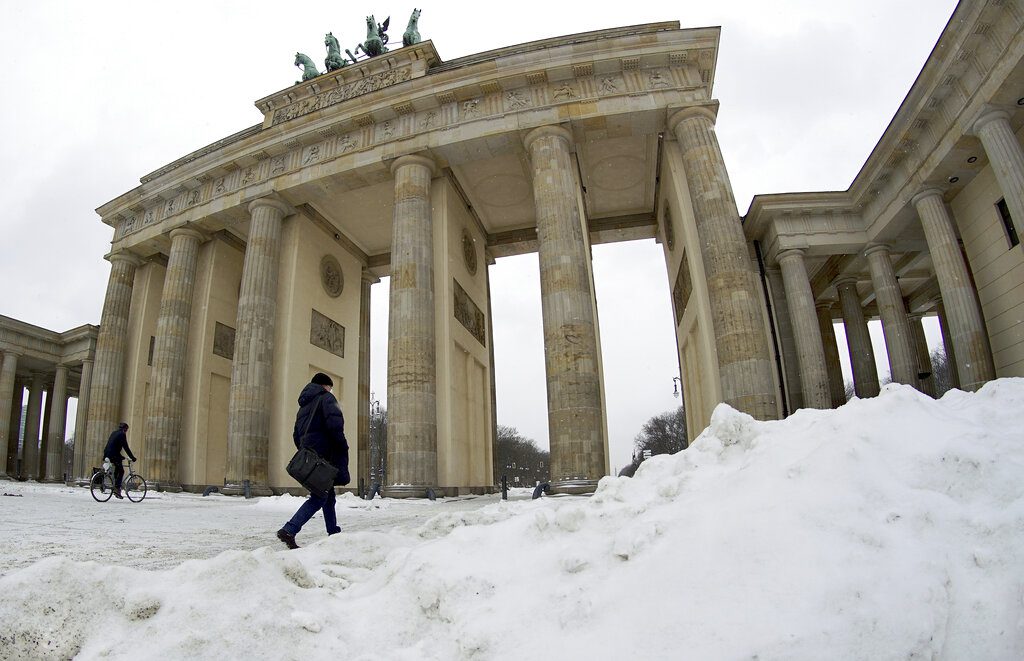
(1007, 160)
(967, 330)
(744, 361)
(82, 461)
(33, 417)
(836, 387)
(809, 347)
(105, 390)
(412, 368)
(790, 362)
(899, 343)
(947, 344)
(167, 393)
(252, 369)
(924, 359)
(858, 340)
(575, 412)
(363, 397)
(8, 435)
(54, 471)
(15, 427)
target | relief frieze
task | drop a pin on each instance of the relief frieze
(327, 334)
(343, 93)
(469, 315)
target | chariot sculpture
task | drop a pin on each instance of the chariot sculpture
(372, 46)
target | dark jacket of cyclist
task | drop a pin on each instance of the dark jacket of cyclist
(117, 442)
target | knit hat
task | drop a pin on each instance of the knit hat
(322, 379)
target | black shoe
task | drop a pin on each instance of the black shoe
(334, 531)
(117, 494)
(287, 538)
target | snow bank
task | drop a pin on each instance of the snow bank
(891, 528)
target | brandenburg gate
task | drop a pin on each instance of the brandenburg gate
(243, 268)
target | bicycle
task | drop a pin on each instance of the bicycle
(102, 484)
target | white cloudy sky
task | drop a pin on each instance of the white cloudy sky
(97, 94)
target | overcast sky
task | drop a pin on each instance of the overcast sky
(98, 94)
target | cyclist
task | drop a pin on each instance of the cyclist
(117, 442)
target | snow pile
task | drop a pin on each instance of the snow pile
(891, 528)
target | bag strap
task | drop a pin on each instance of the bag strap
(309, 423)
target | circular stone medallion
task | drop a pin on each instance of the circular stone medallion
(331, 277)
(469, 251)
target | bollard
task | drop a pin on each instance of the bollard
(430, 494)
(504, 487)
(247, 488)
(210, 489)
(543, 487)
(361, 491)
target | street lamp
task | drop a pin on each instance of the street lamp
(675, 386)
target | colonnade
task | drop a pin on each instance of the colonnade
(41, 448)
(964, 335)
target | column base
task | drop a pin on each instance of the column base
(5, 476)
(239, 490)
(407, 491)
(577, 486)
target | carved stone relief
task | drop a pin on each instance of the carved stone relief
(469, 315)
(327, 334)
(343, 93)
(331, 276)
(469, 251)
(223, 341)
(682, 289)
(670, 233)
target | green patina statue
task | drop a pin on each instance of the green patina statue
(334, 59)
(376, 37)
(412, 33)
(309, 70)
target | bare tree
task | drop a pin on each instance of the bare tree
(519, 459)
(942, 371)
(664, 433)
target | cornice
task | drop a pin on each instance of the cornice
(670, 68)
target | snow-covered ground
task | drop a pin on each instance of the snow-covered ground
(892, 528)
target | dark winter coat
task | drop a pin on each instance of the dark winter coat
(118, 441)
(326, 435)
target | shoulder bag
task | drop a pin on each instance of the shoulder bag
(310, 469)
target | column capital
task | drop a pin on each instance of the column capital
(186, 230)
(273, 202)
(824, 304)
(124, 256)
(369, 278)
(708, 112)
(791, 252)
(988, 116)
(844, 281)
(925, 193)
(543, 131)
(420, 159)
(873, 248)
(11, 352)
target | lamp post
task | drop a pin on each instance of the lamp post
(676, 381)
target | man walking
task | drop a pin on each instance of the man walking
(117, 442)
(320, 426)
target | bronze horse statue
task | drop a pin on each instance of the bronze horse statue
(376, 37)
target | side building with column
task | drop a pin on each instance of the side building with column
(40, 370)
(930, 226)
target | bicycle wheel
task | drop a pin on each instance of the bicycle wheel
(101, 486)
(134, 488)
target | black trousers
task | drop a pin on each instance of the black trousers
(118, 474)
